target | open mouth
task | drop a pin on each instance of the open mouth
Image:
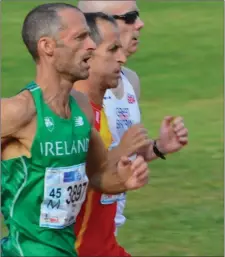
(117, 73)
(136, 37)
(86, 59)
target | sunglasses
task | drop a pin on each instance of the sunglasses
(129, 17)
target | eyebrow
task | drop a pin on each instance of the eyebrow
(117, 44)
(82, 33)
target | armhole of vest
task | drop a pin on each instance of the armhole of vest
(130, 87)
(35, 92)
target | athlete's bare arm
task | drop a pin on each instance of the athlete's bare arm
(16, 113)
(134, 141)
(102, 169)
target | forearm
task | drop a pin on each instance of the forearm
(149, 154)
(107, 180)
(115, 153)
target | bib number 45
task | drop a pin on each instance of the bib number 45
(56, 193)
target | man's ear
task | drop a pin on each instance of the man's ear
(46, 46)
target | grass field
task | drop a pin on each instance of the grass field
(180, 63)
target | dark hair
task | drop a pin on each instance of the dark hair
(41, 21)
(92, 19)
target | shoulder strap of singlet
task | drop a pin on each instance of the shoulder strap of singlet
(35, 91)
(127, 85)
(31, 87)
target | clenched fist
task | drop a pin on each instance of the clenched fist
(173, 135)
(133, 174)
(134, 140)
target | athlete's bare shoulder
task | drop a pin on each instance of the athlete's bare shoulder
(84, 104)
(133, 79)
(16, 113)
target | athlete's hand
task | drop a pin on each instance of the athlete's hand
(134, 174)
(134, 140)
(173, 135)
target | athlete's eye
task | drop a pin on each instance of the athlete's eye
(82, 36)
(114, 48)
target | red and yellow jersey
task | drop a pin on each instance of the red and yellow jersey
(95, 226)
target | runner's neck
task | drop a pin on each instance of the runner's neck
(56, 91)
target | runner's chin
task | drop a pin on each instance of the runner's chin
(84, 70)
(133, 46)
(115, 80)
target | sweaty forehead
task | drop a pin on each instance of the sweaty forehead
(109, 7)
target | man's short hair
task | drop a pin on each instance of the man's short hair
(41, 21)
(92, 19)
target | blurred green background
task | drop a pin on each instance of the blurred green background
(180, 64)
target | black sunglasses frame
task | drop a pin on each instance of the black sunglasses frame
(129, 17)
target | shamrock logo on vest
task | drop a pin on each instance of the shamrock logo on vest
(49, 123)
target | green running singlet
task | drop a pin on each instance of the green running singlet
(42, 195)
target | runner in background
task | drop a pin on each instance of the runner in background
(95, 224)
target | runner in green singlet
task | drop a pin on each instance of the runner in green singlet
(49, 148)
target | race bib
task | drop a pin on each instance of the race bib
(64, 192)
(110, 199)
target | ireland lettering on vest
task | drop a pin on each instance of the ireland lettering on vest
(62, 148)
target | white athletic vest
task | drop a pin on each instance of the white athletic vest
(121, 114)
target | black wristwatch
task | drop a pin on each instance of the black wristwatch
(157, 152)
